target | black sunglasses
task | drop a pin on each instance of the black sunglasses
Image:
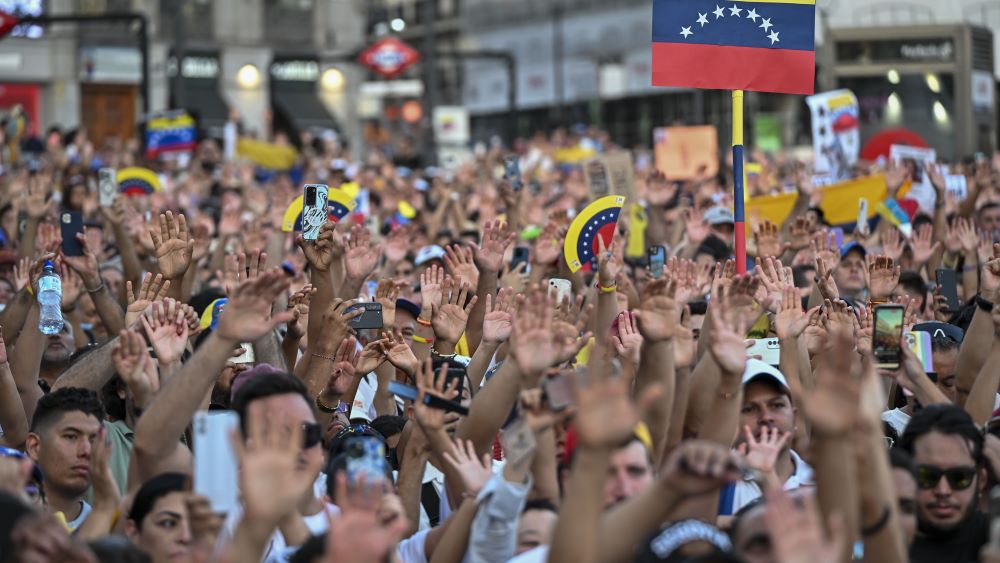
(312, 434)
(959, 478)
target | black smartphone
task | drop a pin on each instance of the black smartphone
(657, 259)
(947, 280)
(512, 171)
(409, 393)
(371, 316)
(456, 373)
(71, 224)
(521, 254)
(888, 336)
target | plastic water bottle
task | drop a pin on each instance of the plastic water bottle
(50, 319)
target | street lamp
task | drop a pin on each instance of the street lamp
(248, 77)
(332, 80)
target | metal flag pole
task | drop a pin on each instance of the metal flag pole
(739, 222)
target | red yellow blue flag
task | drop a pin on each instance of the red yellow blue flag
(757, 45)
(136, 180)
(597, 220)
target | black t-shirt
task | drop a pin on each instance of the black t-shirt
(959, 545)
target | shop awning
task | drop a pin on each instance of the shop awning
(302, 108)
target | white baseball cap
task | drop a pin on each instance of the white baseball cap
(757, 369)
(428, 253)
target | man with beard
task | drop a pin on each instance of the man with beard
(947, 449)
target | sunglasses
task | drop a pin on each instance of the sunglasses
(312, 434)
(959, 478)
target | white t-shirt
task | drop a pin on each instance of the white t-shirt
(279, 552)
(746, 490)
(78, 521)
(411, 550)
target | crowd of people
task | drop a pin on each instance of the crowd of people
(621, 420)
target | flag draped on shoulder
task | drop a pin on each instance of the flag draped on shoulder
(757, 45)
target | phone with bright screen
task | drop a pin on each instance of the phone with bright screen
(888, 336)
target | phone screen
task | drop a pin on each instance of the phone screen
(657, 258)
(888, 334)
(512, 171)
(520, 255)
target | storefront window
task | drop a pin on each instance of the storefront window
(923, 103)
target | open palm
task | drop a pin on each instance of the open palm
(173, 246)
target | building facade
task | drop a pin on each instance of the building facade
(279, 60)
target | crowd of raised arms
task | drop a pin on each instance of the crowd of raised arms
(494, 416)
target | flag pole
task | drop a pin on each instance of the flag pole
(740, 232)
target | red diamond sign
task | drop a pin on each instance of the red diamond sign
(389, 57)
(7, 23)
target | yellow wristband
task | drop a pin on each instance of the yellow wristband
(608, 289)
(421, 339)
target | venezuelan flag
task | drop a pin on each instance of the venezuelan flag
(757, 45)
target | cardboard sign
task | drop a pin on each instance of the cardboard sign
(685, 152)
(611, 174)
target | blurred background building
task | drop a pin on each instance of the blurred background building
(929, 65)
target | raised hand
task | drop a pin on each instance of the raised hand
(247, 314)
(358, 535)
(459, 261)
(346, 364)
(38, 204)
(989, 281)
(499, 318)
(167, 330)
(399, 354)
(135, 366)
(431, 282)
(337, 328)
(87, 265)
(386, 293)
(762, 454)
(397, 243)
(150, 290)
(659, 313)
(695, 226)
(370, 357)
(451, 318)
(298, 304)
(72, 287)
(497, 236)
(106, 492)
(895, 176)
(609, 265)
(516, 278)
(320, 253)
(882, 276)
(172, 245)
(49, 239)
(548, 245)
(271, 482)
(361, 255)
(722, 276)
(729, 329)
(865, 330)
(831, 406)
(892, 244)
(428, 383)
(965, 234)
(21, 270)
(475, 471)
(799, 234)
(767, 240)
(923, 245)
(532, 340)
(628, 340)
(537, 412)
(825, 250)
(238, 268)
(605, 413)
(774, 278)
(790, 321)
